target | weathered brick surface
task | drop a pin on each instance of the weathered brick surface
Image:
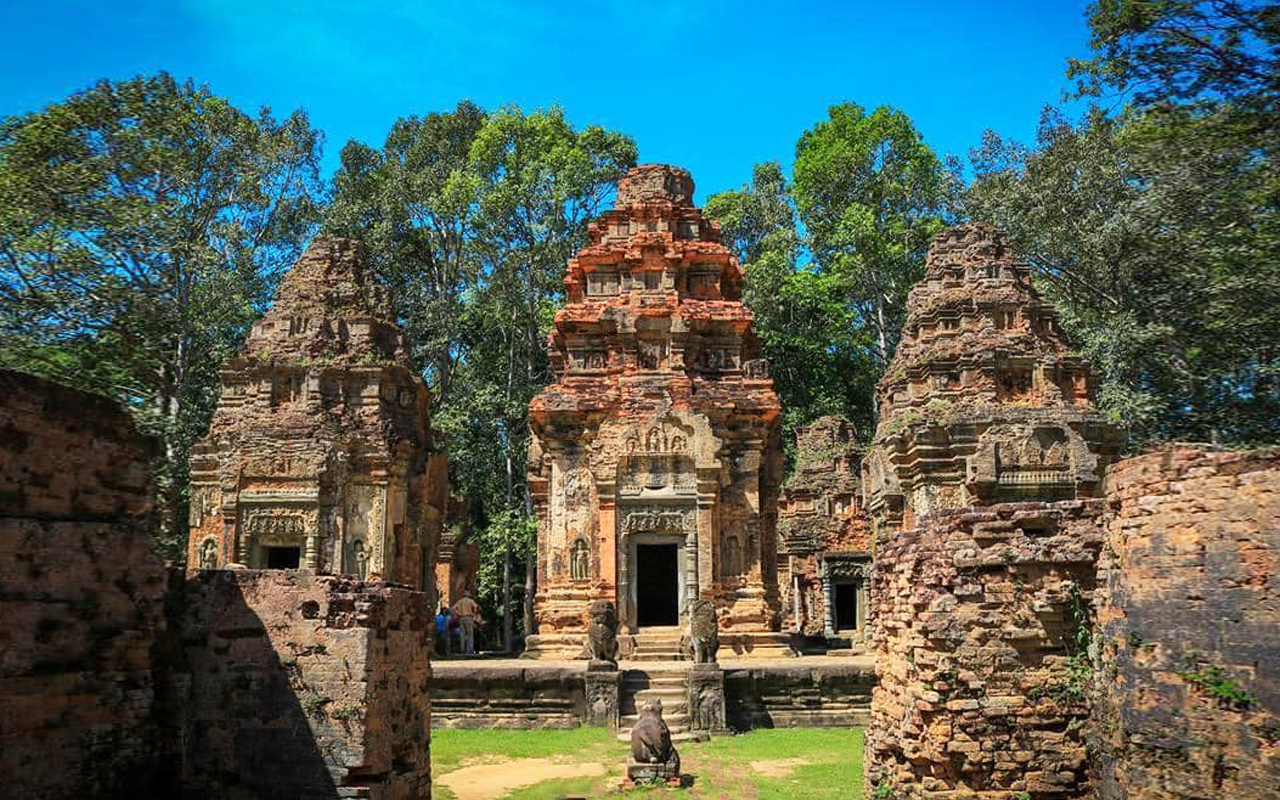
(974, 622)
(984, 401)
(1189, 599)
(319, 447)
(302, 686)
(81, 596)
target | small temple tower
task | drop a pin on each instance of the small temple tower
(319, 456)
(655, 460)
(984, 401)
(457, 556)
(824, 536)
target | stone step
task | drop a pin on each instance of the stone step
(674, 721)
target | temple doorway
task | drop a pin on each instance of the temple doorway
(283, 557)
(657, 585)
(846, 606)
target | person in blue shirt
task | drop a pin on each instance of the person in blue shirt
(443, 634)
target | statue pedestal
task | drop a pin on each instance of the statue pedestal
(706, 699)
(637, 771)
(601, 679)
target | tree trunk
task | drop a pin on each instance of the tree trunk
(530, 571)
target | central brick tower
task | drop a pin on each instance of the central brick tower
(656, 459)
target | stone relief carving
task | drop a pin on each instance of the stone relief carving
(658, 519)
(358, 559)
(275, 525)
(579, 561)
(209, 554)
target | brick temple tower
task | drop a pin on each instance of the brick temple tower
(824, 535)
(655, 461)
(984, 401)
(319, 456)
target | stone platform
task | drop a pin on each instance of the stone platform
(809, 691)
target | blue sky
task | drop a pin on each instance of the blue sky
(711, 86)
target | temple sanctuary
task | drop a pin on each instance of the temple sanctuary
(824, 537)
(984, 400)
(656, 457)
(320, 455)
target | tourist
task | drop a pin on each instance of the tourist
(443, 634)
(467, 611)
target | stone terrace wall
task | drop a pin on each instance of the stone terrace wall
(799, 696)
(475, 695)
(975, 622)
(304, 686)
(1189, 603)
(81, 596)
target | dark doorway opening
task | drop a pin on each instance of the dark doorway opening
(846, 606)
(283, 557)
(657, 585)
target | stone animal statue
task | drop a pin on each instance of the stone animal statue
(602, 633)
(704, 635)
(651, 740)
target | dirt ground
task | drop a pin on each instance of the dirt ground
(498, 777)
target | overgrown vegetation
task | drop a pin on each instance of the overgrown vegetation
(1217, 684)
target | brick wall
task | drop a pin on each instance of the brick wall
(81, 596)
(976, 617)
(304, 686)
(1189, 612)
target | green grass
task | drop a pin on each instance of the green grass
(720, 768)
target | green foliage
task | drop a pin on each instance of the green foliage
(1165, 51)
(871, 194)
(348, 711)
(884, 791)
(1156, 232)
(1079, 672)
(473, 216)
(1217, 684)
(143, 224)
(313, 703)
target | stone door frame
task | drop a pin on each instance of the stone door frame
(686, 540)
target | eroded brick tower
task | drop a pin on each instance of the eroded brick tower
(984, 401)
(655, 462)
(319, 456)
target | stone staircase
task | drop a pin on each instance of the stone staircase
(639, 685)
(658, 644)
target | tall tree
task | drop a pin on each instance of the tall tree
(1166, 52)
(871, 194)
(1156, 229)
(142, 226)
(418, 234)
(807, 330)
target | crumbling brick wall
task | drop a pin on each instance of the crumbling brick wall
(305, 686)
(1189, 616)
(81, 596)
(980, 628)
